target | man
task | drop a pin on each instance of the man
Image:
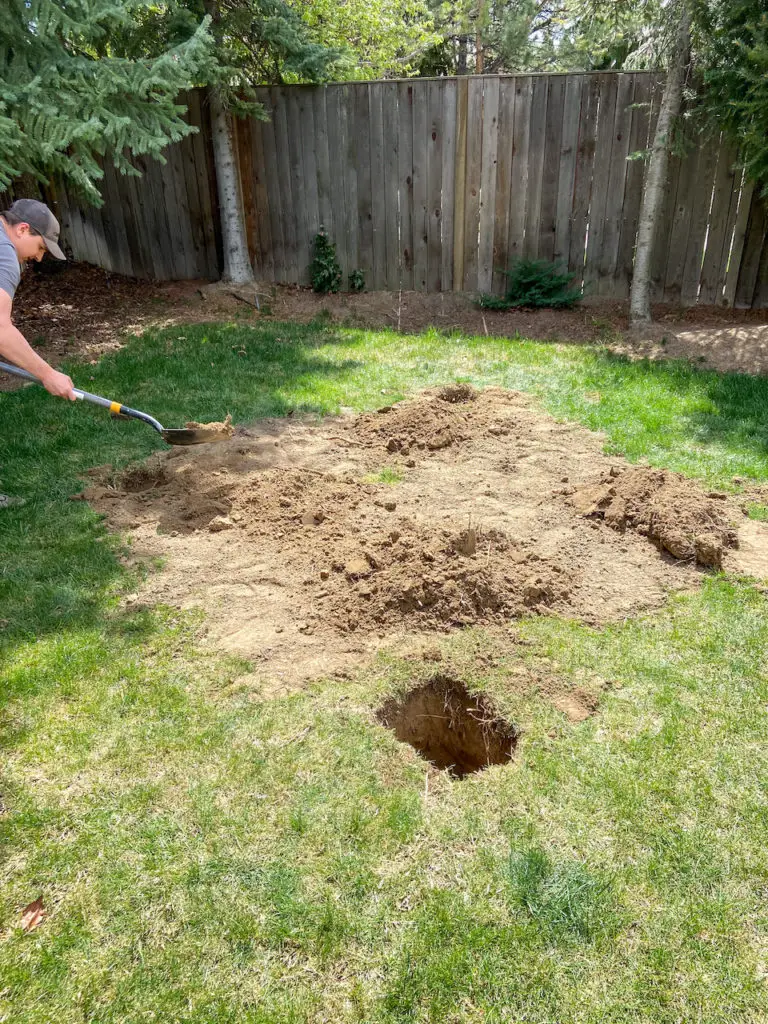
(27, 230)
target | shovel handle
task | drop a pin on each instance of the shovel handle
(114, 407)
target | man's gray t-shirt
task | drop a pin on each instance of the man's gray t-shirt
(10, 271)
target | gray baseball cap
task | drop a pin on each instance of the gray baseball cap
(41, 220)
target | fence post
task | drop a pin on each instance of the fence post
(460, 186)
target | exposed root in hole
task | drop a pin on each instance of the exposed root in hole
(450, 728)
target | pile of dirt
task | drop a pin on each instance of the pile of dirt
(303, 563)
(667, 508)
(437, 420)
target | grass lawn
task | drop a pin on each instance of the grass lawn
(205, 855)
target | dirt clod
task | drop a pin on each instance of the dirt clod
(667, 508)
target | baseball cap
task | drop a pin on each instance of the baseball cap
(40, 218)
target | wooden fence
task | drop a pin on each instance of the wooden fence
(437, 185)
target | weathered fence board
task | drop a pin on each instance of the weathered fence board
(442, 184)
(391, 185)
(585, 159)
(488, 162)
(519, 185)
(405, 181)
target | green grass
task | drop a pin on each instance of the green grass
(386, 475)
(208, 855)
(758, 512)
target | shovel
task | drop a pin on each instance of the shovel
(185, 435)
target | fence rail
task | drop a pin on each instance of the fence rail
(438, 185)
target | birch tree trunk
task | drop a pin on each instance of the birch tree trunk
(237, 263)
(656, 177)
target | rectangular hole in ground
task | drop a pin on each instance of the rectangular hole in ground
(450, 728)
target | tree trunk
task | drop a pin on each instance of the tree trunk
(656, 177)
(461, 67)
(237, 263)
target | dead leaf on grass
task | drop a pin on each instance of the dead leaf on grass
(32, 916)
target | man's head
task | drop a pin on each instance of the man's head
(33, 229)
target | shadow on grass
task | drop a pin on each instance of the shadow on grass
(58, 564)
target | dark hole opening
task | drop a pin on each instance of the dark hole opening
(451, 728)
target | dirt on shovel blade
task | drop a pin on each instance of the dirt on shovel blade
(220, 429)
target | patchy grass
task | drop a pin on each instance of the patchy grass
(758, 512)
(208, 855)
(386, 475)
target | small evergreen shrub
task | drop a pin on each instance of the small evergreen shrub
(357, 281)
(536, 284)
(324, 270)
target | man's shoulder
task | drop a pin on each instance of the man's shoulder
(10, 271)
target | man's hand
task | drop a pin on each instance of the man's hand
(58, 384)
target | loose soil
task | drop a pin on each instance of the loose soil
(305, 563)
(76, 310)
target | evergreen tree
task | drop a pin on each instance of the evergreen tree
(734, 55)
(68, 96)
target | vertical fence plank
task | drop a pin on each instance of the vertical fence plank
(289, 207)
(550, 185)
(460, 182)
(757, 228)
(434, 185)
(190, 176)
(537, 142)
(205, 184)
(608, 265)
(691, 168)
(155, 224)
(391, 187)
(699, 200)
(489, 159)
(503, 183)
(309, 174)
(378, 207)
(420, 186)
(585, 159)
(448, 176)
(115, 217)
(609, 88)
(292, 99)
(473, 182)
(323, 171)
(739, 241)
(718, 236)
(268, 161)
(347, 110)
(569, 142)
(760, 300)
(244, 149)
(518, 190)
(360, 144)
(136, 190)
(267, 245)
(405, 181)
(337, 172)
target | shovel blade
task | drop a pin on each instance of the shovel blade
(186, 436)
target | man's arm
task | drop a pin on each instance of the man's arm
(16, 349)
